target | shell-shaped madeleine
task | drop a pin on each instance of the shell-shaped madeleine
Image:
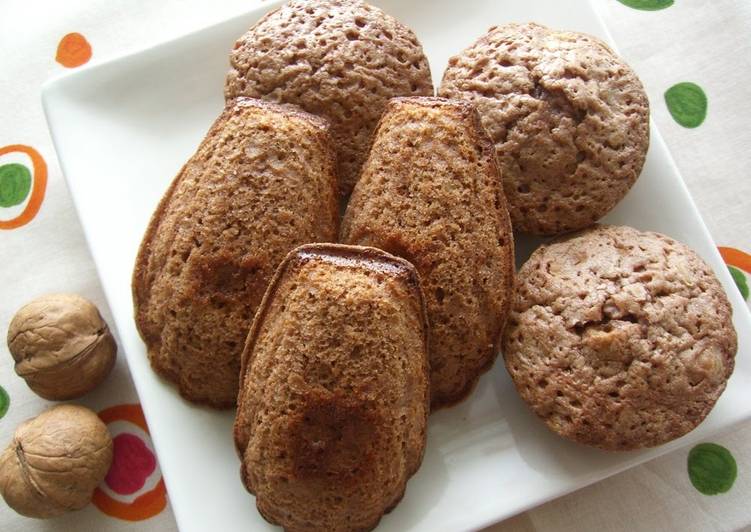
(430, 192)
(261, 183)
(334, 399)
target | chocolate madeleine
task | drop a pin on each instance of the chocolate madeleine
(430, 192)
(333, 402)
(261, 183)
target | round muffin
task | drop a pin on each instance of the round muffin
(342, 59)
(569, 119)
(619, 338)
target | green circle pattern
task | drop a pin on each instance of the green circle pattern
(711, 468)
(15, 184)
(687, 104)
(740, 281)
(647, 5)
(4, 402)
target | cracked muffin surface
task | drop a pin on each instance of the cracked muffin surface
(619, 338)
(341, 59)
(569, 119)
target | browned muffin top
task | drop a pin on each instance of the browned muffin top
(342, 59)
(261, 183)
(569, 119)
(333, 403)
(430, 192)
(619, 338)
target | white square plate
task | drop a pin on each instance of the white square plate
(122, 131)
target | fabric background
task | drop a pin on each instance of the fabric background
(702, 41)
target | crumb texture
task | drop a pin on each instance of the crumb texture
(334, 401)
(261, 183)
(619, 339)
(430, 192)
(342, 59)
(569, 119)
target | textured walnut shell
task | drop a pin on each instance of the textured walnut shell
(55, 461)
(61, 345)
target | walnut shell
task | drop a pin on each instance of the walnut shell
(61, 345)
(55, 461)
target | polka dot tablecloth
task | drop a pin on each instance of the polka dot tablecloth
(694, 58)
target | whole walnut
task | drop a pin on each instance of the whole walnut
(55, 461)
(61, 345)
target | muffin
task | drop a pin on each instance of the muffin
(569, 119)
(342, 59)
(261, 183)
(619, 338)
(333, 402)
(430, 193)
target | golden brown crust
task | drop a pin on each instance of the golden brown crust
(431, 192)
(262, 182)
(333, 403)
(619, 338)
(367, 257)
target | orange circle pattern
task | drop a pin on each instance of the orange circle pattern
(736, 257)
(73, 51)
(150, 503)
(37, 190)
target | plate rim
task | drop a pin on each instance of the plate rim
(54, 86)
